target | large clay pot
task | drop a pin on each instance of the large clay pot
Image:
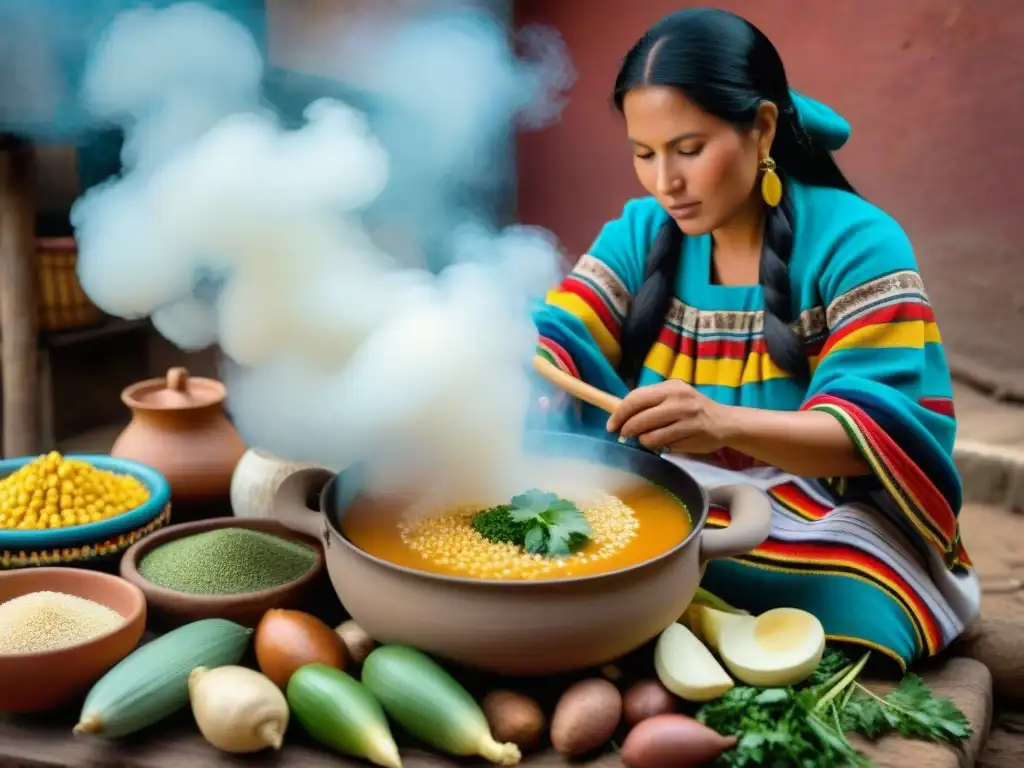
(179, 427)
(538, 627)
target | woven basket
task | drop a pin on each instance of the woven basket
(63, 304)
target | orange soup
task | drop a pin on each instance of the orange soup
(632, 521)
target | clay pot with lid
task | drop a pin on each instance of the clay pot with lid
(179, 428)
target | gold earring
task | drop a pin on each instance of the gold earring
(771, 184)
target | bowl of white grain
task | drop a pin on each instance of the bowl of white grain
(61, 629)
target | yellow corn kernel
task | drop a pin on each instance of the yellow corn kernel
(53, 492)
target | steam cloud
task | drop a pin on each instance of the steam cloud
(227, 228)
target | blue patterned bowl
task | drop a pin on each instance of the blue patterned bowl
(79, 543)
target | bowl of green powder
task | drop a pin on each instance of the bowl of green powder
(227, 568)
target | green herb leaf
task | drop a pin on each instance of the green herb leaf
(535, 500)
(559, 541)
(556, 526)
(773, 696)
(496, 524)
(569, 516)
(526, 515)
(832, 662)
(807, 726)
(539, 522)
(535, 540)
(926, 715)
(560, 506)
(910, 710)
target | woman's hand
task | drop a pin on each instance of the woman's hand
(671, 415)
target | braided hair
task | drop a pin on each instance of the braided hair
(727, 67)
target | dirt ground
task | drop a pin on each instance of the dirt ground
(993, 538)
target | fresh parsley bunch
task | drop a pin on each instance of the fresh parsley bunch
(807, 726)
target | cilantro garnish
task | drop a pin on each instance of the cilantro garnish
(539, 522)
(496, 525)
(807, 726)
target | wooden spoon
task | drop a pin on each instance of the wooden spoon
(573, 386)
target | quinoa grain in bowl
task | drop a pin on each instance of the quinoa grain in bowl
(48, 621)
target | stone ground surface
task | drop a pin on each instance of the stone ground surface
(990, 449)
(993, 535)
(984, 420)
(990, 454)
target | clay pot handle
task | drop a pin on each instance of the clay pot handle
(291, 502)
(177, 379)
(750, 511)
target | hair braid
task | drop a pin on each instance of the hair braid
(785, 343)
(650, 305)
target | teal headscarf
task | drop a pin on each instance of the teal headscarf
(820, 121)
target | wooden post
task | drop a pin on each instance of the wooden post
(19, 337)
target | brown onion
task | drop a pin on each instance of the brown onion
(286, 640)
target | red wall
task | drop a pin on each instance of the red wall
(932, 88)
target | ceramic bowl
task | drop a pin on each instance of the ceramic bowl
(34, 682)
(82, 543)
(169, 608)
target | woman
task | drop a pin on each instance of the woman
(765, 324)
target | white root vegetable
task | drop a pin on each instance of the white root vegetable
(780, 647)
(686, 667)
(357, 642)
(238, 710)
(715, 624)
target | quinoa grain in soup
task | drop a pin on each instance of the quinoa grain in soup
(629, 521)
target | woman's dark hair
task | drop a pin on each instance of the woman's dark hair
(727, 67)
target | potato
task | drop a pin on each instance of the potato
(586, 717)
(673, 741)
(645, 699)
(514, 717)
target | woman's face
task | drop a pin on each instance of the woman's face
(700, 168)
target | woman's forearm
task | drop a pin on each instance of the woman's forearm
(805, 443)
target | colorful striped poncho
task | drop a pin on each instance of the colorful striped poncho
(878, 559)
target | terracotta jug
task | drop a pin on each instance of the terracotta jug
(179, 428)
